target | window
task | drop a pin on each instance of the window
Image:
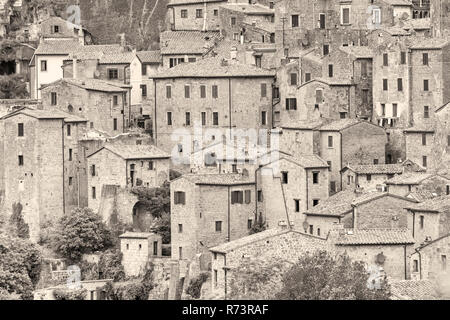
(115, 124)
(369, 177)
(70, 154)
(249, 223)
(263, 90)
(426, 112)
(326, 49)
(322, 20)
(215, 118)
(216, 12)
(330, 141)
(248, 196)
(150, 165)
(365, 96)
(180, 148)
(294, 20)
(448, 140)
(234, 168)
(188, 118)
(115, 100)
(385, 60)
(424, 139)
(44, 65)
(184, 13)
(169, 118)
(333, 186)
(394, 110)
(144, 69)
(416, 266)
(180, 228)
(155, 248)
(385, 84)
(402, 57)
(311, 229)
(284, 177)
(330, 70)
(319, 96)
(199, 13)
(215, 91)
(180, 254)
(192, 59)
(345, 15)
(215, 278)
(237, 197)
(375, 161)
(297, 205)
(20, 129)
(20, 160)
(443, 262)
(447, 190)
(307, 77)
(54, 98)
(179, 197)
(93, 170)
(363, 68)
(94, 195)
(376, 16)
(55, 29)
(425, 59)
(144, 90)
(263, 118)
(383, 109)
(113, 74)
(187, 91)
(260, 196)
(233, 21)
(400, 84)
(315, 202)
(202, 91)
(203, 118)
(315, 177)
(291, 103)
(424, 161)
(425, 85)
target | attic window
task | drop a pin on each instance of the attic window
(55, 29)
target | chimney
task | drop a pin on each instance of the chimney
(75, 67)
(81, 35)
(359, 190)
(224, 63)
(122, 40)
(233, 53)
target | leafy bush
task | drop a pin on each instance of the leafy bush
(22, 229)
(155, 200)
(258, 226)
(195, 285)
(70, 294)
(110, 266)
(82, 231)
(162, 227)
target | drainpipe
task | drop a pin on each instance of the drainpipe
(340, 167)
(154, 133)
(229, 102)
(63, 167)
(228, 222)
(307, 194)
(406, 270)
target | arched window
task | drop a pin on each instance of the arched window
(70, 108)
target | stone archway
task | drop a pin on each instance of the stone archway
(142, 218)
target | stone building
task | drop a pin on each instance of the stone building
(107, 110)
(57, 28)
(208, 99)
(41, 165)
(151, 63)
(441, 154)
(409, 182)
(126, 166)
(138, 248)
(419, 142)
(210, 209)
(288, 186)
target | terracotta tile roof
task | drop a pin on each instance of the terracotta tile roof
(420, 129)
(429, 43)
(215, 67)
(339, 125)
(135, 152)
(250, 9)
(330, 81)
(186, 2)
(372, 195)
(36, 113)
(421, 195)
(413, 290)
(358, 51)
(399, 3)
(225, 179)
(417, 24)
(438, 204)
(57, 47)
(92, 84)
(242, 242)
(375, 237)
(117, 58)
(376, 168)
(337, 205)
(305, 125)
(409, 178)
(262, 25)
(307, 161)
(149, 56)
(137, 235)
(188, 42)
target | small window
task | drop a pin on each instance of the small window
(263, 90)
(249, 224)
(151, 165)
(144, 69)
(55, 29)
(168, 92)
(140, 246)
(203, 118)
(248, 196)
(94, 194)
(333, 186)
(307, 76)
(294, 20)
(115, 100)
(315, 177)
(180, 252)
(20, 160)
(311, 229)
(416, 266)
(180, 228)
(70, 154)
(263, 118)
(144, 90)
(326, 49)
(237, 197)
(293, 78)
(115, 124)
(385, 60)
(425, 85)
(402, 57)
(233, 21)
(424, 139)
(426, 112)
(400, 84)
(385, 84)
(443, 262)
(215, 91)
(70, 181)
(375, 161)
(345, 15)
(199, 13)
(318, 232)
(169, 118)
(218, 226)
(383, 109)
(113, 74)
(260, 196)
(424, 161)
(179, 197)
(187, 91)
(188, 118)
(215, 118)
(216, 12)
(394, 110)
(425, 59)
(54, 98)
(20, 129)
(447, 190)
(315, 202)
(330, 70)
(184, 13)
(291, 103)
(284, 177)
(330, 141)
(43, 65)
(202, 91)
(297, 205)
(369, 177)
(128, 246)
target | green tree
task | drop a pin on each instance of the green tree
(16, 220)
(82, 231)
(162, 227)
(13, 87)
(322, 276)
(156, 200)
